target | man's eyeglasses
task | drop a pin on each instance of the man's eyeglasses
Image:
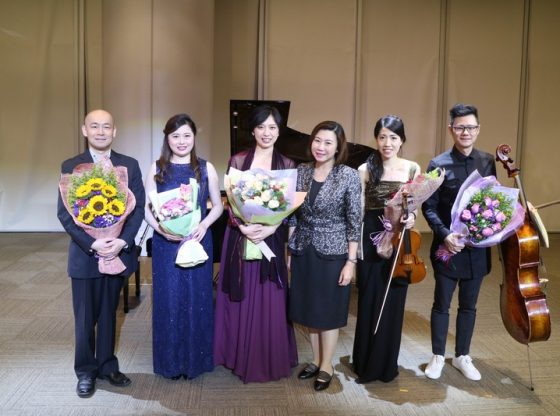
(461, 129)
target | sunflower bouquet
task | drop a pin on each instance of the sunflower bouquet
(97, 197)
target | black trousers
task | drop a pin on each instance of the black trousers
(466, 313)
(95, 303)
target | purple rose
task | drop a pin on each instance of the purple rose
(487, 232)
(500, 217)
(466, 215)
(475, 208)
(487, 214)
(497, 227)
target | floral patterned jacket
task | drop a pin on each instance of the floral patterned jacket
(335, 217)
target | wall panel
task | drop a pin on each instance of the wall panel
(541, 138)
(310, 60)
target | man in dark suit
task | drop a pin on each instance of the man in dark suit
(468, 265)
(95, 296)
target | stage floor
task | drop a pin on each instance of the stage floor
(37, 337)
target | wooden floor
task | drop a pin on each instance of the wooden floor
(36, 356)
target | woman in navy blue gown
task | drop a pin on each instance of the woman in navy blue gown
(182, 312)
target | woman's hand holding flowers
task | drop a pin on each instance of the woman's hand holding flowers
(410, 220)
(199, 232)
(257, 232)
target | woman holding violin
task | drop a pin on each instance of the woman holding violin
(375, 355)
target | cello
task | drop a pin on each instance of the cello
(406, 263)
(523, 304)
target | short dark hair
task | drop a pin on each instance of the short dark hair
(261, 113)
(462, 110)
(338, 130)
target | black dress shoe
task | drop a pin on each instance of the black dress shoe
(85, 387)
(116, 379)
(322, 381)
(175, 377)
(310, 370)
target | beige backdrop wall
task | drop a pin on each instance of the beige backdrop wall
(349, 60)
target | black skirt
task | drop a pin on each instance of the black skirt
(315, 298)
(375, 356)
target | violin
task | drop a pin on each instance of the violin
(523, 304)
(408, 264)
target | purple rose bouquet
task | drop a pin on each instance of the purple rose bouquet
(484, 213)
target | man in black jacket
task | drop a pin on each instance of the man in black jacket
(467, 266)
(95, 296)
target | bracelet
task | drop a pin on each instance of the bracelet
(352, 260)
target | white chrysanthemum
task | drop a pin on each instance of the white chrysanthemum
(266, 195)
(273, 204)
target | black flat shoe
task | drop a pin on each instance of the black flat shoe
(116, 379)
(310, 370)
(85, 387)
(322, 381)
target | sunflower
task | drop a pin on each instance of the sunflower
(116, 207)
(96, 184)
(98, 205)
(83, 191)
(86, 216)
(109, 191)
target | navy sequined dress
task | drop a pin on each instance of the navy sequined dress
(182, 312)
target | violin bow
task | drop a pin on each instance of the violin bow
(389, 280)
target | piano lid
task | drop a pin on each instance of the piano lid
(291, 143)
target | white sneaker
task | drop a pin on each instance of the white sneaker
(464, 364)
(434, 367)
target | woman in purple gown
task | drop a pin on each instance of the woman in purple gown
(182, 310)
(252, 334)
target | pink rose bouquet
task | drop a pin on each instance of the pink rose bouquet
(484, 213)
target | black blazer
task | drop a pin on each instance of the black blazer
(470, 262)
(81, 260)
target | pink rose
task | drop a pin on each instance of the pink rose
(487, 232)
(475, 208)
(497, 226)
(495, 203)
(500, 217)
(466, 215)
(488, 201)
(487, 213)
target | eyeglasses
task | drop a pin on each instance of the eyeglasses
(461, 129)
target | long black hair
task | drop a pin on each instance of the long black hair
(374, 161)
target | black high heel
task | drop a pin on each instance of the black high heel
(322, 381)
(310, 370)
